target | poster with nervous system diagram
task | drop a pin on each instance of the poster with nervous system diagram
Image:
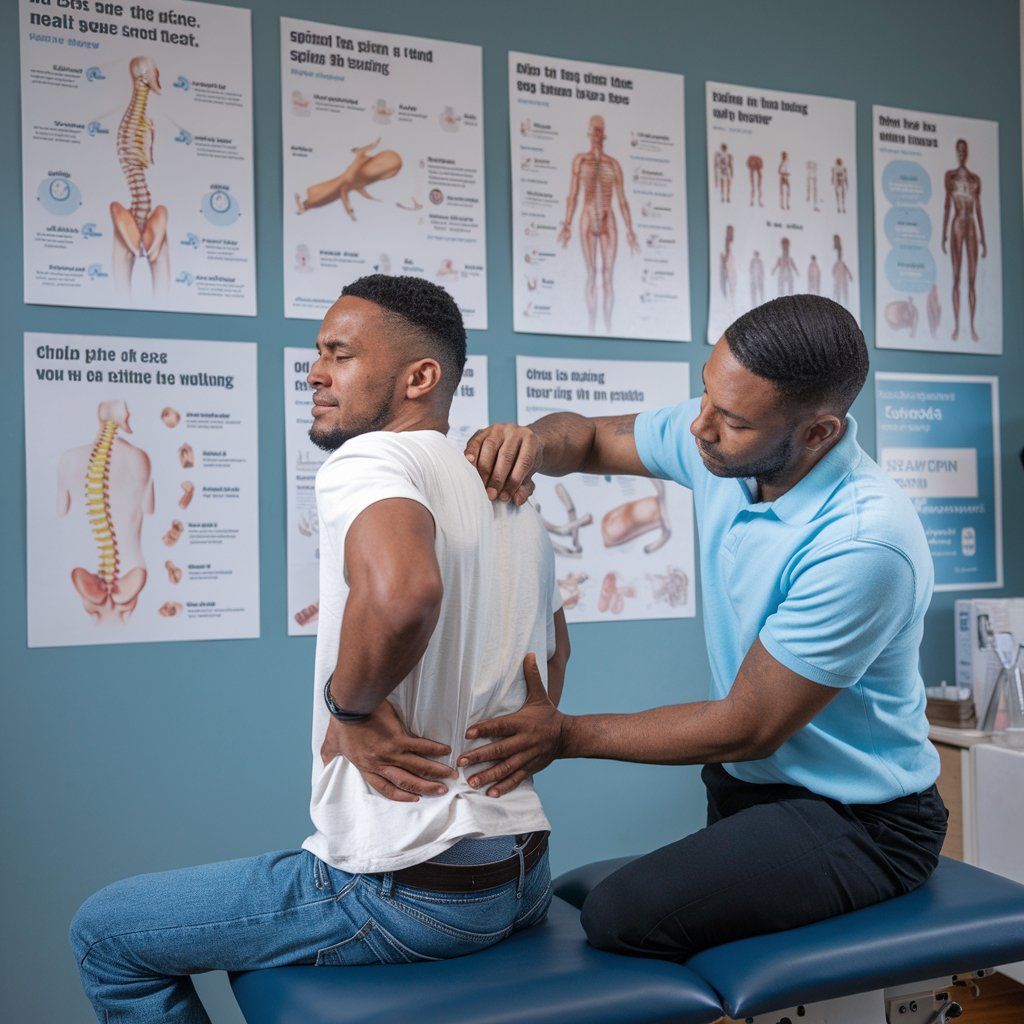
(938, 254)
(599, 235)
(468, 415)
(137, 156)
(383, 164)
(782, 200)
(142, 494)
(623, 544)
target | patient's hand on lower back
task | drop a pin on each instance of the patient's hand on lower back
(396, 764)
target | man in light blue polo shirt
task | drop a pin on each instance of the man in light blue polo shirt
(816, 578)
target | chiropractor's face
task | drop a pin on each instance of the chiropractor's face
(743, 429)
(355, 376)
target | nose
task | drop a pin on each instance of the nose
(702, 426)
(316, 374)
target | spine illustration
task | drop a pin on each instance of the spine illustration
(133, 134)
(97, 503)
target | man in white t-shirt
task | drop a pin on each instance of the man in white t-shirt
(430, 596)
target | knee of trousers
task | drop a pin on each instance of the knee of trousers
(612, 917)
(103, 914)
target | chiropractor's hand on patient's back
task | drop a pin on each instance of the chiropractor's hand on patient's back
(396, 764)
(506, 456)
(523, 743)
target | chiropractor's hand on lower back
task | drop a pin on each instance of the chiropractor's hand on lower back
(524, 742)
(397, 765)
(506, 456)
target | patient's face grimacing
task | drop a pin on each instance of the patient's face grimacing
(355, 375)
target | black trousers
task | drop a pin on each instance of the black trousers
(772, 857)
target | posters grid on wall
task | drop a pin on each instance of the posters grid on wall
(303, 459)
(137, 157)
(142, 496)
(938, 251)
(599, 232)
(782, 199)
(383, 164)
(624, 546)
(938, 438)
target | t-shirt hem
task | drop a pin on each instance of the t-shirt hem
(803, 668)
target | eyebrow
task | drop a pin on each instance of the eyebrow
(332, 344)
(724, 412)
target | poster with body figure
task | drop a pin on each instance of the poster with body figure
(624, 544)
(383, 164)
(137, 162)
(938, 255)
(142, 490)
(599, 242)
(468, 415)
(938, 438)
(782, 199)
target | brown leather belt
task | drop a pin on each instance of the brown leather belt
(474, 877)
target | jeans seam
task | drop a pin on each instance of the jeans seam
(450, 930)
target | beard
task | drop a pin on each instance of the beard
(330, 439)
(765, 469)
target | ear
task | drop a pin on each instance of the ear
(422, 377)
(823, 432)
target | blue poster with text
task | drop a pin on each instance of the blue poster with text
(938, 438)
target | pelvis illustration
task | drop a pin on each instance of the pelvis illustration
(635, 518)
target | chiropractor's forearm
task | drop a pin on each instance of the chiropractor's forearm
(568, 441)
(699, 733)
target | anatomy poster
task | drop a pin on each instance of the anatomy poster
(782, 200)
(938, 260)
(383, 164)
(938, 438)
(137, 165)
(143, 504)
(623, 545)
(468, 415)
(599, 245)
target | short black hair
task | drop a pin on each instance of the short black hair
(425, 308)
(808, 346)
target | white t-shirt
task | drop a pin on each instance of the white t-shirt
(500, 596)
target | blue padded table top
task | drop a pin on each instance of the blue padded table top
(544, 975)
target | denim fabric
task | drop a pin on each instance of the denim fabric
(137, 941)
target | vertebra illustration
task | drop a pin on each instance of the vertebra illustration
(574, 523)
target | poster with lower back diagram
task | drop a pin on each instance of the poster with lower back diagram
(623, 544)
(303, 459)
(938, 253)
(137, 155)
(383, 164)
(141, 489)
(782, 199)
(599, 233)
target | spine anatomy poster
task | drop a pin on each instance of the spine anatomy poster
(137, 163)
(938, 259)
(142, 490)
(938, 438)
(782, 200)
(624, 544)
(468, 415)
(599, 242)
(383, 164)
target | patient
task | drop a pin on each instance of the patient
(430, 596)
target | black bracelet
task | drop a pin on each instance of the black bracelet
(340, 713)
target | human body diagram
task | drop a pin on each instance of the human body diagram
(723, 173)
(841, 275)
(840, 183)
(966, 234)
(755, 170)
(109, 482)
(140, 230)
(814, 276)
(756, 279)
(727, 270)
(812, 184)
(785, 191)
(786, 270)
(366, 169)
(598, 177)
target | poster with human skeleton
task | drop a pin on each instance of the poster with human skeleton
(624, 544)
(383, 164)
(137, 162)
(303, 459)
(938, 257)
(782, 200)
(599, 237)
(141, 490)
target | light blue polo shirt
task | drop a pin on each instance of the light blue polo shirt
(835, 577)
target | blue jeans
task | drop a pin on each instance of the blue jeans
(137, 941)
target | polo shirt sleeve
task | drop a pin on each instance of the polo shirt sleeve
(841, 611)
(665, 444)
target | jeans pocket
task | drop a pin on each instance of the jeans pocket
(372, 944)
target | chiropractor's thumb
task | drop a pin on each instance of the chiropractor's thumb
(534, 682)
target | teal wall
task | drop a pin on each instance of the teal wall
(119, 760)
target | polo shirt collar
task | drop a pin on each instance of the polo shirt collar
(802, 502)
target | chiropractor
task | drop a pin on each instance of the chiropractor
(816, 578)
